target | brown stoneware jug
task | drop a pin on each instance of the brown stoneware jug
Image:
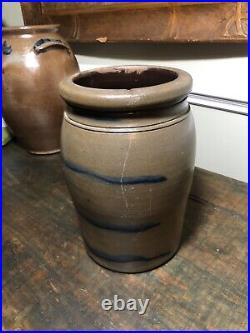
(35, 60)
(128, 144)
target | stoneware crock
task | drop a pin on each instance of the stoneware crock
(128, 144)
(35, 60)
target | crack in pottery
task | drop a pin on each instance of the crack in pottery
(123, 171)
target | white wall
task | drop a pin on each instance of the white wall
(222, 139)
(12, 14)
(217, 70)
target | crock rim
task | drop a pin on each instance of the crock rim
(126, 99)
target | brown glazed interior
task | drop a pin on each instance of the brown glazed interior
(125, 79)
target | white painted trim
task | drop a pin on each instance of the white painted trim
(218, 103)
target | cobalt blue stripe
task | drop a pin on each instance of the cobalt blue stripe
(122, 258)
(115, 180)
(121, 228)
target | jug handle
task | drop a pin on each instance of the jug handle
(6, 47)
(44, 43)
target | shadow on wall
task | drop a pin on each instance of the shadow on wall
(159, 51)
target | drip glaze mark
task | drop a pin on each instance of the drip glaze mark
(115, 180)
(123, 258)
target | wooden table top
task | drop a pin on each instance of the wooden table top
(50, 283)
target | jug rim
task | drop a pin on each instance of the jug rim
(30, 28)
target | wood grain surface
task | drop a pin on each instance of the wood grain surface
(49, 282)
(146, 22)
(62, 8)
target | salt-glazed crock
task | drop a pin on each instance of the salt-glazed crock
(35, 60)
(128, 144)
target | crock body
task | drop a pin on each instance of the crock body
(35, 60)
(129, 174)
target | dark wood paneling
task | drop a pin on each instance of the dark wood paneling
(62, 8)
(32, 13)
(144, 22)
(49, 282)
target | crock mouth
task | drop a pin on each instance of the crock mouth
(30, 28)
(125, 78)
(126, 87)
